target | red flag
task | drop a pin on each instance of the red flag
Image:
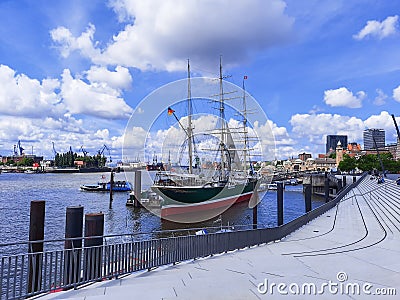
(245, 77)
(170, 111)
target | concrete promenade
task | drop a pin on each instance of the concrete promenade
(350, 252)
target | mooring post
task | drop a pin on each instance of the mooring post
(73, 244)
(138, 188)
(111, 187)
(279, 197)
(255, 216)
(344, 181)
(307, 197)
(36, 233)
(94, 230)
(326, 188)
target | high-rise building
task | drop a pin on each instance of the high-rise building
(374, 134)
(332, 141)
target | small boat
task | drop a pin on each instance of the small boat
(272, 186)
(118, 186)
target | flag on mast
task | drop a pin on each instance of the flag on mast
(170, 111)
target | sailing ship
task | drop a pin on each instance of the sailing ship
(233, 181)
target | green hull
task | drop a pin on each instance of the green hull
(197, 194)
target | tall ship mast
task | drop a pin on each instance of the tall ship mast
(184, 193)
(190, 128)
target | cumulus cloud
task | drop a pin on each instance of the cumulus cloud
(314, 127)
(396, 94)
(378, 29)
(343, 97)
(23, 96)
(380, 99)
(120, 79)
(61, 109)
(94, 99)
(67, 43)
(162, 34)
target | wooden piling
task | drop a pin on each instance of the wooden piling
(94, 230)
(111, 187)
(36, 233)
(138, 188)
(72, 255)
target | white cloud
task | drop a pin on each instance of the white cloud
(378, 29)
(311, 129)
(396, 94)
(315, 127)
(120, 79)
(67, 43)
(94, 99)
(383, 120)
(343, 97)
(23, 96)
(102, 134)
(380, 98)
(163, 34)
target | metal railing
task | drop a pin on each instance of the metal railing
(25, 275)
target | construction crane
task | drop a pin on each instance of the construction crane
(101, 151)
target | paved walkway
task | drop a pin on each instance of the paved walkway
(355, 245)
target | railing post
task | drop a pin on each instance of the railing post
(279, 197)
(72, 258)
(354, 179)
(36, 233)
(94, 229)
(307, 196)
(344, 180)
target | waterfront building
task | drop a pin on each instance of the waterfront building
(332, 141)
(304, 156)
(374, 134)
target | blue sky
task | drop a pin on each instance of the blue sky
(72, 72)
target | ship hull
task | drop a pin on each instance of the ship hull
(188, 200)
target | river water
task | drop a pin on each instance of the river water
(62, 190)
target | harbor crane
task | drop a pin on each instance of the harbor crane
(101, 151)
(84, 151)
(18, 150)
(54, 149)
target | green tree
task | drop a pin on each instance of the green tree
(26, 162)
(368, 162)
(347, 164)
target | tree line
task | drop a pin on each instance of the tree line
(369, 162)
(67, 159)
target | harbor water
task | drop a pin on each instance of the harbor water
(62, 190)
